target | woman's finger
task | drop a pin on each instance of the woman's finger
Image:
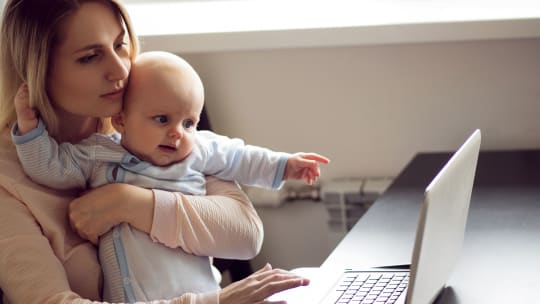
(277, 282)
(272, 288)
(260, 285)
(264, 268)
(271, 274)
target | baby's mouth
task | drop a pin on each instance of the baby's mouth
(167, 148)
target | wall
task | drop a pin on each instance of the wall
(371, 108)
(296, 235)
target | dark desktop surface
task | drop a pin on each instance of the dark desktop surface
(500, 260)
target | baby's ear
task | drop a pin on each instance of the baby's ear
(117, 121)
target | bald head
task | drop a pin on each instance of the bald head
(154, 74)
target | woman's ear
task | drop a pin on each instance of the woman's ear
(117, 121)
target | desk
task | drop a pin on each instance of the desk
(500, 261)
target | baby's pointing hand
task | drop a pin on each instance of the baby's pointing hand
(305, 166)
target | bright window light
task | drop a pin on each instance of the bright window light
(215, 16)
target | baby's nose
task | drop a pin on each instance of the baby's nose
(177, 132)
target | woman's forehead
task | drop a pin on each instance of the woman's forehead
(93, 24)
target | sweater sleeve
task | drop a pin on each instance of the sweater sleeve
(222, 224)
(29, 270)
(231, 159)
(59, 166)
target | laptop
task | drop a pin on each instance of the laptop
(439, 239)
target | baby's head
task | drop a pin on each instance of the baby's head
(162, 106)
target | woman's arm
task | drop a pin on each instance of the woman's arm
(30, 272)
(222, 224)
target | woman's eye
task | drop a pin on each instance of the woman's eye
(188, 123)
(161, 119)
(88, 58)
(120, 45)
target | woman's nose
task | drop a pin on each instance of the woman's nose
(118, 68)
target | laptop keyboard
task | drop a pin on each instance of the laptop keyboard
(376, 288)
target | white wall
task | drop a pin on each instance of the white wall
(296, 235)
(371, 108)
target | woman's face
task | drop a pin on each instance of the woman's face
(90, 65)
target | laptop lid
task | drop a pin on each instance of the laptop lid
(441, 228)
(439, 235)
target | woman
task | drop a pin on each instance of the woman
(75, 57)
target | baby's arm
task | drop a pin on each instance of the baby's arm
(304, 166)
(63, 166)
(46, 162)
(26, 115)
(232, 159)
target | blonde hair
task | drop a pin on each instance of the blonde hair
(29, 33)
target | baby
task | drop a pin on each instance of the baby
(158, 146)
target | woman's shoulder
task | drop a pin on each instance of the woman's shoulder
(9, 163)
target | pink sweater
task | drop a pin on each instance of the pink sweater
(43, 261)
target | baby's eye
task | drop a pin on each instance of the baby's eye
(188, 123)
(161, 119)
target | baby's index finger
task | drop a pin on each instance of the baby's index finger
(316, 157)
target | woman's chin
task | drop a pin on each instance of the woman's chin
(109, 112)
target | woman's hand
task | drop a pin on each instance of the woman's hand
(98, 210)
(259, 286)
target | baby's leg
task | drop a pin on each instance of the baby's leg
(137, 269)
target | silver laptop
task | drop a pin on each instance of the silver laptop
(439, 239)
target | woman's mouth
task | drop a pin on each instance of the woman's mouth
(114, 94)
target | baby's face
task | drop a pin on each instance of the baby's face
(160, 117)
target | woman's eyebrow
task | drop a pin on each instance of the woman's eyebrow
(98, 45)
(121, 35)
(88, 47)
